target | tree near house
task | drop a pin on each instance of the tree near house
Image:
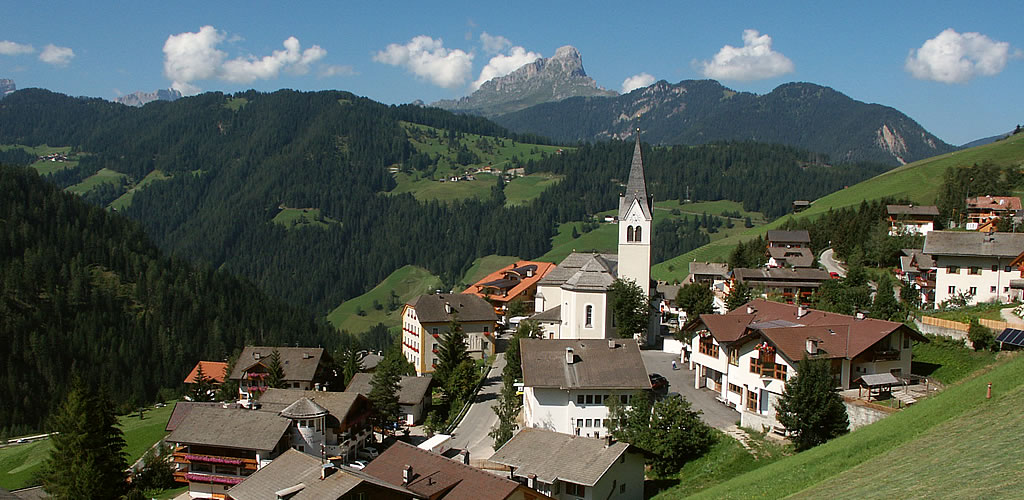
(348, 363)
(456, 373)
(695, 299)
(509, 400)
(275, 371)
(669, 429)
(228, 390)
(739, 295)
(202, 388)
(87, 459)
(981, 337)
(811, 407)
(384, 388)
(630, 308)
(885, 306)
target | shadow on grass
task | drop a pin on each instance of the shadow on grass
(654, 486)
(923, 368)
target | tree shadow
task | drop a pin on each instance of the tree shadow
(922, 368)
(654, 486)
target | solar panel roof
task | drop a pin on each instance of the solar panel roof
(1012, 336)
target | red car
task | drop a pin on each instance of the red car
(834, 275)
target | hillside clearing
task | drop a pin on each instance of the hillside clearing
(482, 267)
(125, 199)
(406, 282)
(294, 218)
(104, 176)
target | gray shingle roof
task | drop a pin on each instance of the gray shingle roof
(304, 408)
(800, 235)
(712, 268)
(468, 308)
(553, 315)
(596, 274)
(972, 243)
(796, 257)
(573, 262)
(412, 390)
(802, 274)
(596, 366)
(556, 456)
(636, 185)
(337, 403)
(231, 428)
(299, 363)
(912, 210)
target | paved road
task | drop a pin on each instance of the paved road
(715, 414)
(829, 262)
(471, 434)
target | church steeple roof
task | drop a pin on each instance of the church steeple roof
(636, 186)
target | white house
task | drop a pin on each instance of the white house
(747, 355)
(568, 383)
(911, 219)
(427, 317)
(574, 467)
(974, 264)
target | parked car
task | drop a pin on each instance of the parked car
(368, 453)
(834, 275)
(359, 464)
(658, 382)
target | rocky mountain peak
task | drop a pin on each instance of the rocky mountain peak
(6, 87)
(140, 98)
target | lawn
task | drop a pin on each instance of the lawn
(522, 190)
(966, 314)
(104, 176)
(932, 439)
(43, 166)
(425, 189)
(603, 239)
(943, 360)
(125, 199)
(19, 463)
(294, 218)
(407, 282)
(482, 267)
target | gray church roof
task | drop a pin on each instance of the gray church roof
(574, 263)
(636, 186)
(303, 408)
(597, 275)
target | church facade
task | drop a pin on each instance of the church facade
(573, 298)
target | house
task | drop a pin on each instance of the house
(793, 284)
(747, 355)
(303, 367)
(911, 219)
(572, 299)
(214, 371)
(572, 467)
(413, 394)
(973, 264)
(566, 383)
(917, 269)
(789, 257)
(709, 272)
(435, 477)
(789, 239)
(516, 281)
(427, 317)
(984, 211)
(800, 205)
(297, 476)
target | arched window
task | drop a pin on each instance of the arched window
(629, 233)
(589, 316)
(636, 234)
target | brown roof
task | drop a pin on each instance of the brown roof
(726, 327)
(555, 456)
(339, 404)
(796, 257)
(299, 363)
(467, 307)
(799, 276)
(931, 210)
(182, 409)
(215, 370)
(516, 286)
(230, 428)
(1007, 245)
(798, 236)
(437, 477)
(595, 365)
(412, 389)
(994, 203)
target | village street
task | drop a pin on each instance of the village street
(471, 434)
(715, 414)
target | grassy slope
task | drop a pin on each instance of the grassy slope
(919, 181)
(407, 282)
(18, 464)
(125, 199)
(42, 166)
(482, 267)
(919, 435)
(292, 218)
(104, 176)
(523, 189)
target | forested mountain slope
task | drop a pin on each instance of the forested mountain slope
(85, 293)
(802, 115)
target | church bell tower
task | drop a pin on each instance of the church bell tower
(636, 217)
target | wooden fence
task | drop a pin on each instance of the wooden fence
(956, 325)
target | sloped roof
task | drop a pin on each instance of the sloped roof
(712, 268)
(299, 363)
(182, 409)
(339, 404)
(800, 236)
(931, 210)
(573, 262)
(596, 275)
(972, 243)
(556, 456)
(215, 370)
(230, 428)
(303, 408)
(412, 390)
(796, 257)
(994, 203)
(468, 308)
(778, 274)
(878, 379)
(518, 286)
(726, 327)
(636, 185)
(553, 315)
(596, 366)
(433, 474)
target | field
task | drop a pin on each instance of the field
(407, 282)
(292, 218)
(522, 190)
(104, 176)
(428, 189)
(603, 239)
(482, 267)
(955, 444)
(19, 463)
(125, 199)
(948, 363)
(42, 166)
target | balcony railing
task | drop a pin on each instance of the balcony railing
(886, 355)
(202, 477)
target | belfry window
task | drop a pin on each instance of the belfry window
(629, 233)
(590, 316)
(636, 233)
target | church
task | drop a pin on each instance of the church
(573, 299)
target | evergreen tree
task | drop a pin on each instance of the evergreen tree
(669, 429)
(202, 387)
(384, 388)
(275, 371)
(885, 305)
(228, 390)
(811, 407)
(739, 295)
(695, 299)
(349, 363)
(87, 459)
(506, 410)
(910, 298)
(630, 308)
(451, 351)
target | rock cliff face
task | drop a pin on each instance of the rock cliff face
(544, 80)
(6, 87)
(140, 98)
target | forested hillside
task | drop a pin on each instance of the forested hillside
(232, 162)
(85, 293)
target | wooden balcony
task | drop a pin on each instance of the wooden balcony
(885, 355)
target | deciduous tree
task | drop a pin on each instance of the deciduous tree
(669, 429)
(630, 308)
(695, 299)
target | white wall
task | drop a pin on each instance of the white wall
(630, 473)
(558, 410)
(963, 280)
(635, 256)
(574, 325)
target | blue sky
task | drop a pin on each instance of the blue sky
(955, 67)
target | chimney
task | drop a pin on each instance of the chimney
(531, 481)
(464, 456)
(801, 311)
(406, 475)
(860, 315)
(326, 470)
(255, 355)
(289, 491)
(569, 356)
(316, 386)
(608, 440)
(306, 355)
(447, 308)
(611, 344)
(751, 310)
(812, 346)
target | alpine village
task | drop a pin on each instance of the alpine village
(313, 295)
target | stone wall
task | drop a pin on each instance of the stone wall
(939, 330)
(862, 413)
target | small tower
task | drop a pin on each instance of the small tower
(636, 217)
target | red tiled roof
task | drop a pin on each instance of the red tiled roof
(994, 203)
(542, 268)
(215, 370)
(434, 476)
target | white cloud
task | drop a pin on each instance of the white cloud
(427, 58)
(953, 57)
(189, 57)
(57, 56)
(494, 44)
(501, 64)
(329, 70)
(755, 60)
(9, 48)
(636, 81)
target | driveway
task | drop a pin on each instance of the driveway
(829, 262)
(471, 434)
(714, 414)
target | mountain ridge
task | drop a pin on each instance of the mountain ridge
(141, 98)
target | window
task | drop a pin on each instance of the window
(1007, 269)
(973, 290)
(629, 233)
(755, 366)
(622, 488)
(974, 270)
(579, 422)
(734, 357)
(579, 399)
(735, 389)
(952, 289)
(577, 490)
(636, 234)
(588, 423)
(708, 347)
(433, 330)
(589, 316)
(953, 270)
(597, 422)
(485, 329)
(751, 400)
(590, 400)
(995, 267)
(624, 399)
(992, 289)
(906, 341)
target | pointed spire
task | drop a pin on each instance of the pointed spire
(636, 186)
